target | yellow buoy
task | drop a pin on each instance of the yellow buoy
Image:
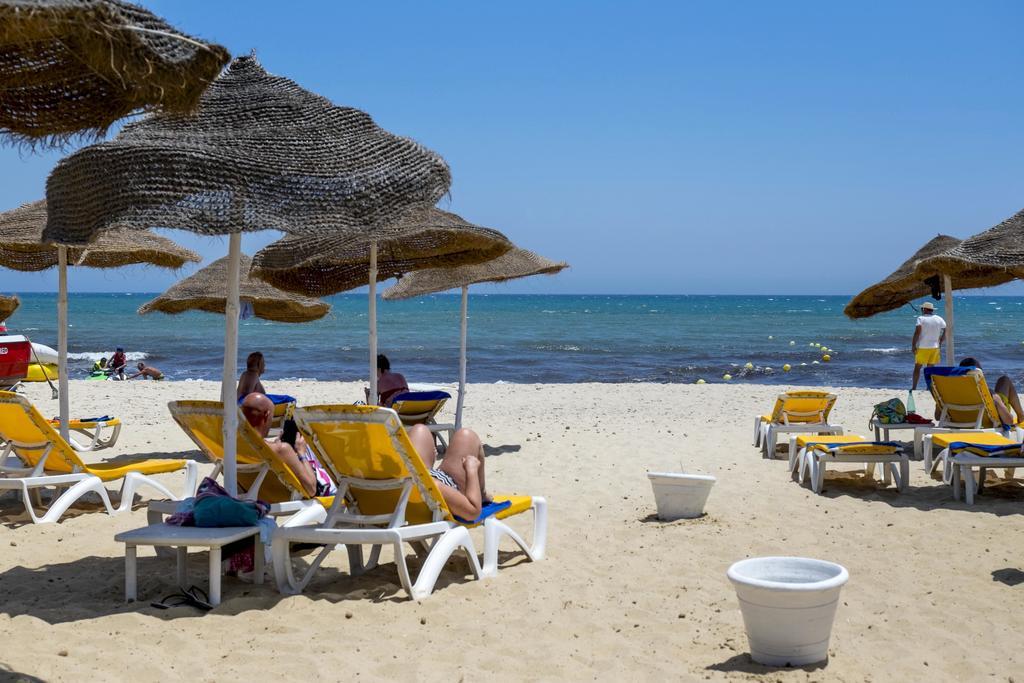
(786, 367)
(727, 377)
(749, 366)
(826, 358)
(771, 337)
(701, 381)
(40, 373)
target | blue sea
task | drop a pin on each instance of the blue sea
(544, 338)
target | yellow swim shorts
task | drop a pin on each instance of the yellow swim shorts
(927, 357)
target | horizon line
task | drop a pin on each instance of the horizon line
(472, 293)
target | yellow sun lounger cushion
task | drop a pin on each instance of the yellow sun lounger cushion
(856, 448)
(803, 440)
(32, 437)
(203, 421)
(801, 406)
(88, 424)
(942, 440)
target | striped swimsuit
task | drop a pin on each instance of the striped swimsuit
(444, 478)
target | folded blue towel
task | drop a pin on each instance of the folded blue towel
(276, 399)
(421, 396)
(1007, 449)
(486, 511)
(945, 371)
(831, 445)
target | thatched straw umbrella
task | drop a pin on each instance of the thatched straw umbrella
(517, 263)
(260, 153)
(22, 248)
(987, 259)
(71, 67)
(991, 257)
(8, 305)
(206, 290)
(423, 237)
(903, 285)
(945, 264)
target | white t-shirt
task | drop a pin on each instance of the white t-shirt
(931, 329)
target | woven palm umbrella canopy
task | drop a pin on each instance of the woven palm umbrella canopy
(260, 153)
(903, 285)
(422, 237)
(206, 290)
(944, 265)
(21, 248)
(73, 67)
(517, 263)
(989, 258)
(8, 305)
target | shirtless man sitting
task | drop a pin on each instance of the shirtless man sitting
(259, 411)
(147, 372)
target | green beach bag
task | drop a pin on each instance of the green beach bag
(890, 412)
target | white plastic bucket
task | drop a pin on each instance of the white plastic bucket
(680, 496)
(788, 606)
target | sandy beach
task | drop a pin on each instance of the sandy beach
(932, 592)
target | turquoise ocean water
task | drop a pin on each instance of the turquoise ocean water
(541, 338)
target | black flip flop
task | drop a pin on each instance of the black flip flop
(194, 596)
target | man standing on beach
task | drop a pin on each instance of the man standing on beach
(928, 337)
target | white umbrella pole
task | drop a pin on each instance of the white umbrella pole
(373, 324)
(947, 285)
(62, 340)
(227, 387)
(462, 358)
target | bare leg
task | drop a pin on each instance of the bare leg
(1004, 386)
(423, 442)
(464, 443)
(917, 375)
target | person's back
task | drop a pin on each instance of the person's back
(249, 382)
(929, 331)
(389, 384)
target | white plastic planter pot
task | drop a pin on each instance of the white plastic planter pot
(788, 606)
(680, 496)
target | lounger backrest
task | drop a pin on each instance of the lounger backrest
(416, 407)
(203, 421)
(964, 397)
(368, 442)
(21, 423)
(794, 407)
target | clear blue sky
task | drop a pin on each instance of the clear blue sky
(659, 147)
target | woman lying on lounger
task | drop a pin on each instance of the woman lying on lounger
(460, 474)
(1004, 396)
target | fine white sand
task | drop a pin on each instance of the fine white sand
(934, 592)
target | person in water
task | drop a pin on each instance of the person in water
(460, 474)
(118, 363)
(389, 384)
(259, 411)
(147, 372)
(1004, 396)
(250, 382)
